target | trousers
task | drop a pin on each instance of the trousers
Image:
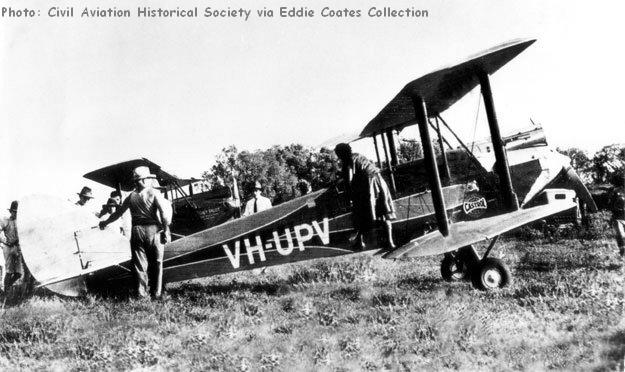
(147, 260)
(619, 231)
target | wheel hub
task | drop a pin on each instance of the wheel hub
(492, 278)
(457, 272)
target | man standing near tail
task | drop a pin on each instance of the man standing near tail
(11, 248)
(151, 216)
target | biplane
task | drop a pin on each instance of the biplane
(446, 201)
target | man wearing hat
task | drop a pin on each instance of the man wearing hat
(84, 196)
(258, 203)
(11, 247)
(151, 216)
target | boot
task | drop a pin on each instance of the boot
(359, 242)
(388, 230)
(9, 279)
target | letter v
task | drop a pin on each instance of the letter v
(235, 259)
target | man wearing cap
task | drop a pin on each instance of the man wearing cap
(258, 203)
(84, 196)
(11, 248)
(151, 216)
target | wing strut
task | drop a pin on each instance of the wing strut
(446, 175)
(431, 167)
(377, 152)
(388, 163)
(501, 164)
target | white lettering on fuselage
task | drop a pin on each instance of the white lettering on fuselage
(303, 233)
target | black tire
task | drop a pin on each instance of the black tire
(490, 273)
(453, 269)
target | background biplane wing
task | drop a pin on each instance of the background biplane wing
(462, 234)
(120, 175)
(442, 88)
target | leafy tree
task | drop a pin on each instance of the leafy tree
(579, 161)
(409, 150)
(278, 168)
(609, 163)
(225, 165)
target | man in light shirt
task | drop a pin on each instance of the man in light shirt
(151, 216)
(258, 203)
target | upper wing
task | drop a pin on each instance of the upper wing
(121, 173)
(442, 88)
(466, 233)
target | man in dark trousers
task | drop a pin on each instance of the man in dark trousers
(11, 247)
(617, 205)
(151, 216)
(370, 196)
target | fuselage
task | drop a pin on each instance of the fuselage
(319, 224)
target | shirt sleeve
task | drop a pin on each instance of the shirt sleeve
(165, 205)
(248, 209)
(3, 225)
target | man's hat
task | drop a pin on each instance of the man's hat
(343, 150)
(257, 186)
(86, 192)
(13, 207)
(141, 173)
(110, 203)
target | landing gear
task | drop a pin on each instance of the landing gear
(486, 274)
(491, 273)
(453, 269)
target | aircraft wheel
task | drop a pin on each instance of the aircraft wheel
(453, 269)
(491, 273)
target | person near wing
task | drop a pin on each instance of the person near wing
(617, 205)
(151, 216)
(11, 248)
(368, 192)
(258, 203)
(119, 225)
(84, 196)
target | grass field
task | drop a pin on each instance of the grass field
(564, 310)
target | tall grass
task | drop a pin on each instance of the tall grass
(564, 310)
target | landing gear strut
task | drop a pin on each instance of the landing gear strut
(486, 273)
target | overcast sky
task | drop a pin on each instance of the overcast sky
(77, 94)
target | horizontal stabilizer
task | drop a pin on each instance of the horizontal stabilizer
(462, 234)
(60, 243)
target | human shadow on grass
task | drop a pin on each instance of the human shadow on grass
(277, 288)
(533, 262)
(425, 284)
(616, 352)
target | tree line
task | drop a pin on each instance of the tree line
(283, 169)
(606, 166)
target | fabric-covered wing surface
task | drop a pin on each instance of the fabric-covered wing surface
(465, 233)
(442, 88)
(61, 241)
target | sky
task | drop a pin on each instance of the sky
(77, 94)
